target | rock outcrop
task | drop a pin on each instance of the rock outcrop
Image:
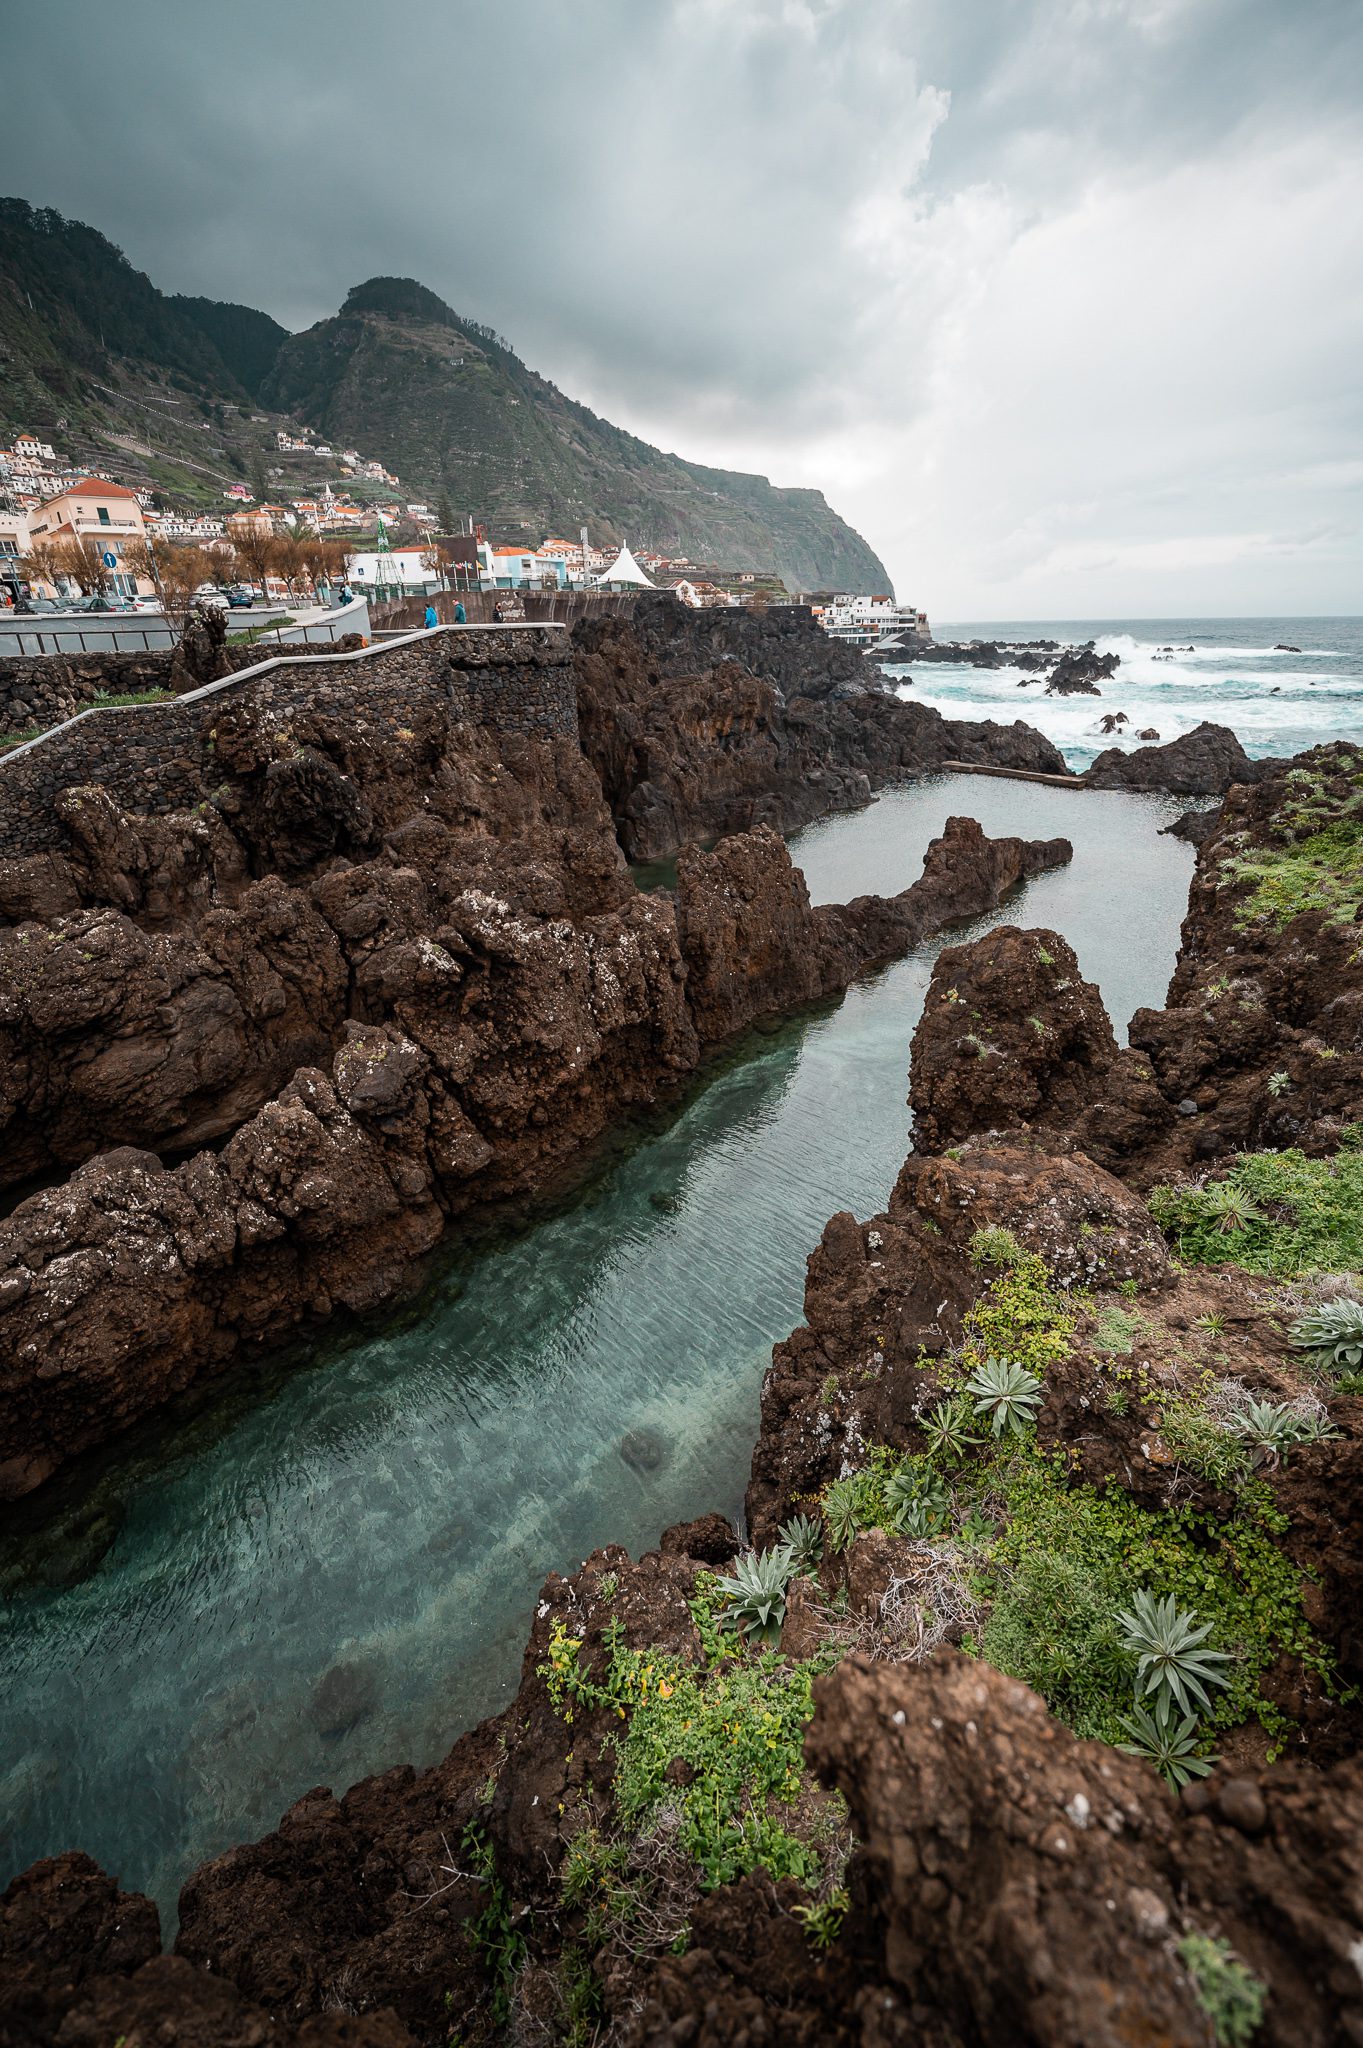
(1078, 673)
(778, 738)
(753, 944)
(1205, 762)
(1259, 1044)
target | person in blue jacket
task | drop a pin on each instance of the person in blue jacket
(460, 615)
(430, 618)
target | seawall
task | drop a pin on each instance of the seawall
(159, 757)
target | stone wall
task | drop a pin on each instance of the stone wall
(41, 689)
(156, 757)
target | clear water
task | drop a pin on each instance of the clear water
(398, 1500)
(1275, 703)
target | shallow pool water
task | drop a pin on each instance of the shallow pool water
(393, 1504)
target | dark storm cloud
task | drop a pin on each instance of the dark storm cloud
(1034, 290)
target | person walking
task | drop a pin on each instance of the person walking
(498, 615)
(430, 618)
(461, 617)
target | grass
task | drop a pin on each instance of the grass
(1313, 1220)
(1317, 862)
(261, 632)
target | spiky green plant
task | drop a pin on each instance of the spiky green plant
(1332, 1334)
(918, 1502)
(803, 1538)
(842, 1511)
(948, 1429)
(1272, 1427)
(1230, 1207)
(1168, 1646)
(1167, 1741)
(757, 1593)
(1006, 1392)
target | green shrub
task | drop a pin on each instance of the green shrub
(1311, 1217)
(1168, 1741)
(1230, 1996)
(1086, 1549)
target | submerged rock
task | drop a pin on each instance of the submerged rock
(346, 1694)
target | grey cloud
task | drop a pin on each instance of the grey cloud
(964, 266)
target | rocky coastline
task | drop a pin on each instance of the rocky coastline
(906, 1845)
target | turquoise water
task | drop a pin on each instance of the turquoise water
(394, 1504)
(1228, 670)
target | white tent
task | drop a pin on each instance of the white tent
(624, 569)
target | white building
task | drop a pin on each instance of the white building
(866, 621)
(402, 568)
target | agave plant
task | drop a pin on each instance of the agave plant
(803, 1538)
(1167, 1741)
(1272, 1427)
(1006, 1392)
(918, 1502)
(842, 1511)
(948, 1429)
(1230, 1206)
(757, 1593)
(1332, 1334)
(1168, 1645)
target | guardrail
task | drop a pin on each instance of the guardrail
(145, 632)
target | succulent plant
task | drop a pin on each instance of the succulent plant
(1167, 1741)
(842, 1511)
(948, 1429)
(757, 1592)
(1332, 1334)
(918, 1501)
(1168, 1644)
(1006, 1392)
(803, 1538)
(1231, 1207)
(1271, 1427)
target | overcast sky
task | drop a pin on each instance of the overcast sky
(1059, 301)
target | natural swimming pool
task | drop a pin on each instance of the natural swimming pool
(392, 1504)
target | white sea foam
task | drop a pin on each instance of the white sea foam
(1275, 701)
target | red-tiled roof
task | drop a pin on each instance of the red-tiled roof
(95, 487)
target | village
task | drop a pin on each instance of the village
(78, 539)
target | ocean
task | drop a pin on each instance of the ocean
(1225, 670)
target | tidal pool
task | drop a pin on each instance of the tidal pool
(392, 1504)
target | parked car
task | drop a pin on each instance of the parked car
(240, 599)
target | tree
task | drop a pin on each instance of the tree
(39, 565)
(255, 548)
(444, 512)
(80, 560)
(182, 570)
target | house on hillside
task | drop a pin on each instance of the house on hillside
(95, 509)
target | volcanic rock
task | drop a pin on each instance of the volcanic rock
(1204, 762)
(1078, 673)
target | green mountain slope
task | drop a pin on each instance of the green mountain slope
(247, 341)
(453, 410)
(170, 391)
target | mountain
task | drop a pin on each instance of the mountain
(184, 394)
(447, 404)
(246, 341)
